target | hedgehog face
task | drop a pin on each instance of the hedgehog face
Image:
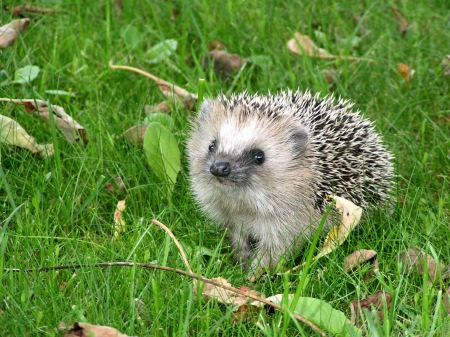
(244, 155)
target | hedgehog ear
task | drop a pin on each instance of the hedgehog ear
(299, 138)
(205, 109)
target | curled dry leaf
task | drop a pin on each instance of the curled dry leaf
(135, 134)
(187, 99)
(358, 257)
(13, 134)
(224, 63)
(372, 302)
(89, 330)
(29, 9)
(446, 65)
(212, 292)
(303, 45)
(404, 70)
(119, 222)
(161, 107)
(414, 259)
(329, 75)
(69, 126)
(351, 214)
(402, 22)
(10, 32)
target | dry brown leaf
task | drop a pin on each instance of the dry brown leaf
(373, 302)
(329, 75)
(119, 222)
(224, 63)
(29, 9)
(358, 257)
(402, 22)
(13, 134)
(404, 70)
(414, 259)
(212, 292)
(218, 45)
(446, 65)
(161, 107)
(10, 32)
(69, 126)
(169, 90)
(446, 300)
(118, 182)
(89, 330)
(303, 45)
(135, 134)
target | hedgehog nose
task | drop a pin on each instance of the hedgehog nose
(220, 168)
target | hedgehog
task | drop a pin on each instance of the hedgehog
(263, 167)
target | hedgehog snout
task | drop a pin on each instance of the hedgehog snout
(220, 168)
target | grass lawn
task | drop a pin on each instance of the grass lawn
(61, 212)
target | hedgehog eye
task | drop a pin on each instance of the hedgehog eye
(212, 146)
(258, 157)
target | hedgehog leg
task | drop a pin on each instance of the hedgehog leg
(241, 244)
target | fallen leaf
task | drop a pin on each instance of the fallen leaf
(119, 222)
(219, 45)
(303, 45)
(26, 74)
(69, 127)
(373, 303)
(402, 22)
(10, 32)
(404, 70)
(446, 300)
(13, 134)
(224, 64)
(358, 257)
(188, 100)
(89, 330)
(29, 9)
(161, 51)
(161, 107)
(329, 75)
(414, 259)
(446, 65)
(212, 292)
(119, 184)
(135, 134)
(351, 214)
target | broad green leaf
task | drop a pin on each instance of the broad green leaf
(262, 61)
(132, 36)
(26, 74)
(162, 50)
(161, 118)
(162, 152)
(323, 315)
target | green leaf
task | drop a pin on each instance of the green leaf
(162, 152)
(26, 74)
(262, 61)
(132, 36)
(323, 315)
(60, 93)
(162, 50)
(161, 118)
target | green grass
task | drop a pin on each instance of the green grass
(65, 214)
